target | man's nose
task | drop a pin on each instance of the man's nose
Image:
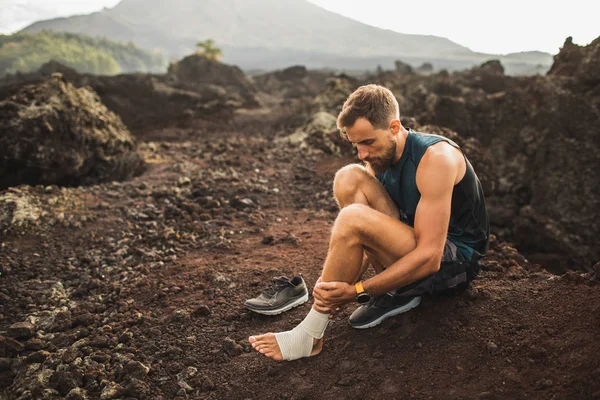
(362, 153)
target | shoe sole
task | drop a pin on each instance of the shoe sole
(408, 306)
(288, 306)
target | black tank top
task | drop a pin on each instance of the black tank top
(469, 227)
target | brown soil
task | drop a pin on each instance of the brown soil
(156, 270)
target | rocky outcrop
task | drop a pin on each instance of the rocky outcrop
(212, 79)
(543, 137)
(292, 83)
(53, 133)
(578, 62)
(320, 132)
(334, 95)
(194, 91)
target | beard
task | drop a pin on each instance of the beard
(380, 164)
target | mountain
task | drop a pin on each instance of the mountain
(248, 30)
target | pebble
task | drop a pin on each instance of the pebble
(231, 347)
(38, 357)
(136, 369)
(207, 384)
(9, 347)
(21, 330)
(491, 346)
(346, 380)
(201, 311)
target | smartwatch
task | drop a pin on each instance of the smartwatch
(362, 297)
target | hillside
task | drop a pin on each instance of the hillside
(246, 30)
(25, 52)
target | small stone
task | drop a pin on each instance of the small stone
(185, 386)
(137, 389)
(136, 369)
(38, 357)
(346, 380)
(77, 394)
(183, 181)
(126, 337)
(9, 347)
(112, 391)
(201, 311)
(100, 342)
(34, 344)
(180, 316)
(472, 293)
(207, 384)
(419, 345)
(231, 347)
(21, 330)
(491, 346)
(64, 381)
(269, 239)
(62, 322)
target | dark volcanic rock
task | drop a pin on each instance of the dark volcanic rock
(9, 347)
(53, 133)
(320, 132)
(194, 90)
(200, 74)
(21, 330)
(335, 94)
(542, 134)
(579, 62)
(292, 82)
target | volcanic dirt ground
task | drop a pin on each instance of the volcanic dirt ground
(143, 283)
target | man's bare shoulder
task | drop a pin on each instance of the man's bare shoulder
(440, 166)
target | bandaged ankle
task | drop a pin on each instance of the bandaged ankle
(315, 323)
(298, 342)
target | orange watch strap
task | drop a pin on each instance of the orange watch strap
(359, 287)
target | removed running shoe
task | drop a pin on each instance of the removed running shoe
(282, 295)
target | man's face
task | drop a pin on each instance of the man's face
(376, 147)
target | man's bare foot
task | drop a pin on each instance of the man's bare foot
(267, 344)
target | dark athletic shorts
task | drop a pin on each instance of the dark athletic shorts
(454, 275)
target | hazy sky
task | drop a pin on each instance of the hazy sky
(490, 27)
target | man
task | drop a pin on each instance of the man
(416, 212)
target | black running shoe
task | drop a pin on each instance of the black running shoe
(282, 295)
(381, 307)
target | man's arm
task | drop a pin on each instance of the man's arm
(436, 177)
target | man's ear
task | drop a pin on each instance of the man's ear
(394, 126)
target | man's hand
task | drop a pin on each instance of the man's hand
(329, 295)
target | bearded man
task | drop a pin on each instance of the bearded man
(415, 212)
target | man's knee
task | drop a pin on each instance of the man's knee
(350, 221)
(347, 182)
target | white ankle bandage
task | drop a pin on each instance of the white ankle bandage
(298, 342)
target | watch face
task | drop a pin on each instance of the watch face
(363, 298)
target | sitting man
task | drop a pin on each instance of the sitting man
(416, 213)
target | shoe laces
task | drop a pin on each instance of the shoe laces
(278, 283)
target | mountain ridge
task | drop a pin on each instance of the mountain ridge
(270, 24)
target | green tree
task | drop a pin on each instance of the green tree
(24, 52)
(207, 49)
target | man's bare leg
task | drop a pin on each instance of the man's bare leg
(358, 228)
(354, 185)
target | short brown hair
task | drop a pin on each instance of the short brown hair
(374, 102)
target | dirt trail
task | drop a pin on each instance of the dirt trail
(153, 279)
